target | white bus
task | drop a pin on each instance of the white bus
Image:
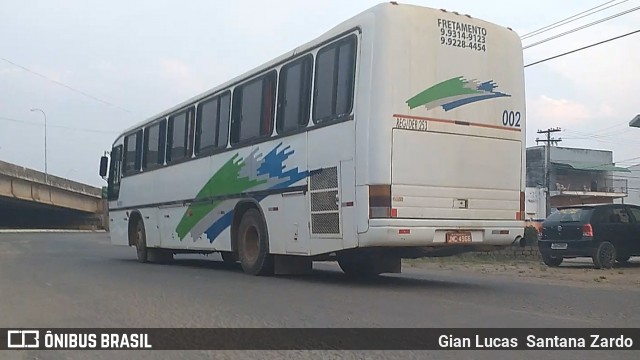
(397, 134)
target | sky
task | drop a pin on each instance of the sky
(129, 60)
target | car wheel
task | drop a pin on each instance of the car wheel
(553, 261)
(604, 256)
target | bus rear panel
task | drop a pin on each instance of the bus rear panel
(446, 137)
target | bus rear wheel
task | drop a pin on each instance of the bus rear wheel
(253, 244)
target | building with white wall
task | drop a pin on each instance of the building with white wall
(577, 176)
(633, 181)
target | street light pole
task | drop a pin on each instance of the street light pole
(45, 144)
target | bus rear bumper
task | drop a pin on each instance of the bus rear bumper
(433, 233)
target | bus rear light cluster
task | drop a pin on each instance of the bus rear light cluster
(378, 212)
(380, 202)
(520, 214)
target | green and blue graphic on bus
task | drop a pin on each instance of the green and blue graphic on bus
(455, 92)
(251, 174)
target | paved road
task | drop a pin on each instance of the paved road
(80, 280)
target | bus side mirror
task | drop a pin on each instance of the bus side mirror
(104, 162)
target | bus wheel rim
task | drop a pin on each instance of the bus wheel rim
(251, 244)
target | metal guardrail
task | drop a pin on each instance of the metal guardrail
(603, 185)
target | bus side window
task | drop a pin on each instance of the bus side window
(212, 125)
(132, 153)
(179, 136)
(154, 139)
(224, 111)
(115, 172)
(191, 132)
(294, 95)
(334, 80)
(253, 109)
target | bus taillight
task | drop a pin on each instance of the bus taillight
(520, 215)
(380, 201)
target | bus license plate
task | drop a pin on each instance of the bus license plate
(458, 237)
(559, 246)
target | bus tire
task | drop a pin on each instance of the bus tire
(140, 242)
(253, 244)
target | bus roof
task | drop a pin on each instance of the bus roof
(346, 25)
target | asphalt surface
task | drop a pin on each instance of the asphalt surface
(80, 280)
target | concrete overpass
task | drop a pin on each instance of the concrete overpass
(28, 201)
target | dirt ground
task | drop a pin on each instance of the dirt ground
(572, 272)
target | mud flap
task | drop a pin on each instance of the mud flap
(292, 265)
(388, 264)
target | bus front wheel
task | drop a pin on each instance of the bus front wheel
(140, 241)
(253, 244)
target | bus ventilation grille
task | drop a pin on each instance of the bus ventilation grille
(325, 200)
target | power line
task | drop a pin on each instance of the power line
(626, 160)
(68, 87)
(584, 136)
(592, 135)
(612, 132)
(563, 21)
(582, 48)
(624, 123)
(571, 19)
(581, 27)
(602, 134)
(578, 138)
(58, 126)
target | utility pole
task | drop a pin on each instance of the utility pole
(547, 164)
